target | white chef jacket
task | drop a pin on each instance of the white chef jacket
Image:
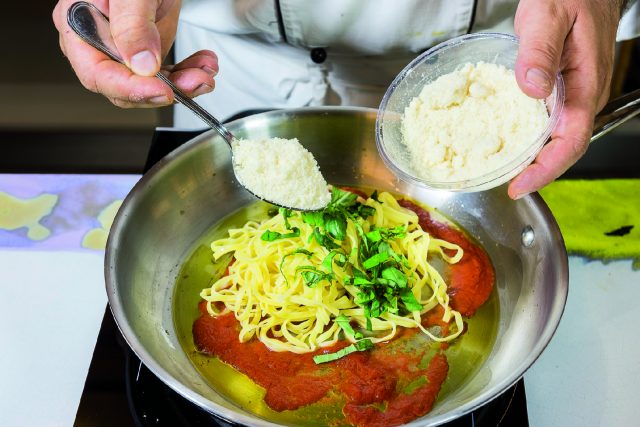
(294, 53)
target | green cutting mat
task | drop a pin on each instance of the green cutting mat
(598, 218)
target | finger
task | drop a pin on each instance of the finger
(542, 26)
(134, 31)
(204, 59)
(193, 81)
(569, 142)
(115, 81)
(100, 74)
(167, 23)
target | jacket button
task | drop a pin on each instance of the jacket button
(318, 55)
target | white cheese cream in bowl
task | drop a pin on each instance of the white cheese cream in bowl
(455, 118)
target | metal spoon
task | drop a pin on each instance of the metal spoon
(92, 26)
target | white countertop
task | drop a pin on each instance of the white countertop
(52, 300)
(588, 373)
(51, 308)
(52, 296)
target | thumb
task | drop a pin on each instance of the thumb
(134, 31)
(542, 30)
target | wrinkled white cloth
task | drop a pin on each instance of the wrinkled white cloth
(264, 46)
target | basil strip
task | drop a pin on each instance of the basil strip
(314, 219)
(334, 256)
(286, 214)
(297, 251)
(374, 235)
(311, 276)
(324, 240)
(336, 226)
(361, 345)
(270, 236)
(409, 300)
(344, 323)
(366, 211)
(375, 260)
(341, 198)
(396, 276)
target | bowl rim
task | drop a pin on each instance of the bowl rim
(487, 180)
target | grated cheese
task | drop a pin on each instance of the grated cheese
(470, 122)
(280, 171)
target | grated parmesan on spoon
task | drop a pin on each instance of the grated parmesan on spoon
(280, 171)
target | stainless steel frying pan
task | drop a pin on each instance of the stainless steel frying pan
(192, 188)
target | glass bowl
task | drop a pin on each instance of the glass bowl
(442, 59)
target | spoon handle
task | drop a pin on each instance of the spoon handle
(93, 27)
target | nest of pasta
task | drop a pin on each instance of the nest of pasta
(357, 270)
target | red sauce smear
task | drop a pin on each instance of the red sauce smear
(294, 380)
(404, 407)
(470, 279)
(371, 382)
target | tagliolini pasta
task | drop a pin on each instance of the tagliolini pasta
(265, 290)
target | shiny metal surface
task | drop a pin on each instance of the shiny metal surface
(615, 113)
(194, 187)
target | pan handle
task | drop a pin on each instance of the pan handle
(615, 113)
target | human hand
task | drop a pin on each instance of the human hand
(143, 32)
(576, 37)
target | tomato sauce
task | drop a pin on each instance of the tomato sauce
(471, 279)
(374, 386)
(403, 408)
(294, 380)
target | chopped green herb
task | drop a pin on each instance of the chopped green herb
(341, 199)
(361, 345)
(374, 236)
(314, 219)
(364, 297)
(375, 260)
(334, 256)
(343, 322)
(311, 276)
(297, 251)
(324, 240)
(366, 211)
(395, 276)
(270, 236)
(286, 214)
(409, 300)
(336, 226)
(373, 267)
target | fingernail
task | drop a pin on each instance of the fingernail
(144, 63)
(520, 188)
(209, 70)
(202, 89)
(160, 100)
(539, 79)
(520, 195)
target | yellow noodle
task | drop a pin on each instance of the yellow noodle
(272, 303)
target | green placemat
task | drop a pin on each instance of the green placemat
(598, 218)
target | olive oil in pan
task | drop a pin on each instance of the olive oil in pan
(465, 355)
